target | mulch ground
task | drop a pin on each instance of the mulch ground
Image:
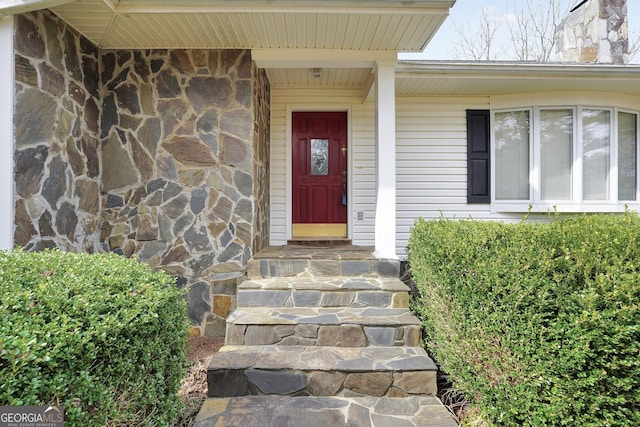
(193, 389)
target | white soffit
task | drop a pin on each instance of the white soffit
(329, 77)
(373, 25)
(492, 79)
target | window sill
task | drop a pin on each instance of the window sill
(564, 208)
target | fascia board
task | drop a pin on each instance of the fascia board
(497, 70)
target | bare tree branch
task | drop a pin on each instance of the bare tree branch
(521, 34)
(530, 33)
(477, 42)
(533, 28)
(531, 25)
(634, 45)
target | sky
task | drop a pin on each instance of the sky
(466, 11)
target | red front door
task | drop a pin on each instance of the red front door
(319, 174)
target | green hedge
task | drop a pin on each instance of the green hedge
(100, 334)
(538, 324)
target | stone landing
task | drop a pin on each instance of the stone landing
(262, 411)
(346, 260)
(322, 336)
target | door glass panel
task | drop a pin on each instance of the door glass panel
(319, 157)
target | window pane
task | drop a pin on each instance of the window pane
(512, 155)
(319, 157)
(627, 156)
(556, 152)
(596, 137)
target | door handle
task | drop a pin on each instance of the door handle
(343, 150)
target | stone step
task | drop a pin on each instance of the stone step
(323, 292)
(310, 326)
(276, 411)
(321, 371)
(320, 261)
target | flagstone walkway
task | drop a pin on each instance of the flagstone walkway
(322, 336)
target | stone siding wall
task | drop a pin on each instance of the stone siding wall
(57, 106)
(224, 289)
(161, 155)
(595, 32)
(262, 166)
(177, 158)
(178, 162)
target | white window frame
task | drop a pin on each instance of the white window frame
(494, 162)
(576, 204)
(637, 114)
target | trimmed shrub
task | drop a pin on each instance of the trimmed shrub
(102, 335)
(538, 324)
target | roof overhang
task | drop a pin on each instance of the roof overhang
(12, 7)
(438, 78)
(369, 25)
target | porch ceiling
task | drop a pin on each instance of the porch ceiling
(302, 77)
(369, 25)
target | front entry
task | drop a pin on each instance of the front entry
(319, 175)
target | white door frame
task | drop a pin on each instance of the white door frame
(290, 109)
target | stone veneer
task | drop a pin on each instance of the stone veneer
(156, 154)
(57, 140)
(596, 31)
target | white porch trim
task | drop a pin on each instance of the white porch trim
(385, 221)
(6, 132)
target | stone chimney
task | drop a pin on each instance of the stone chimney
(596, 31)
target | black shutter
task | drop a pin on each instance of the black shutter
(478, 157)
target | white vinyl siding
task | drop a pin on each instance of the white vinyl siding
(431, 155)
(431, 160)
(363, 173)
(278, 191)
(431, 147)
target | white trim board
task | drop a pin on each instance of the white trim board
(6, 131)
